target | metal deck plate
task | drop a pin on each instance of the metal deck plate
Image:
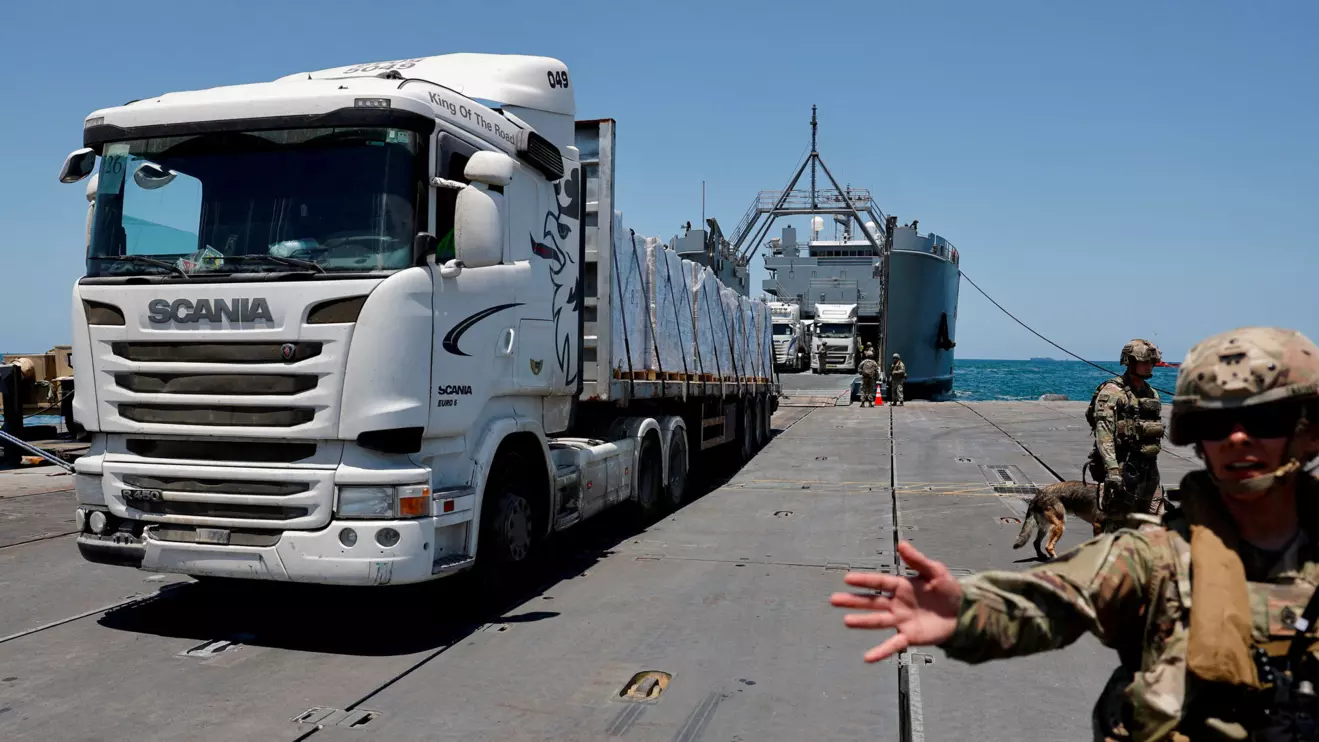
(728, 597)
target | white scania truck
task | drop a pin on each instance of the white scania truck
(836, 329)
(361, 326)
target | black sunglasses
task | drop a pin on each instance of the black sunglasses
(1258, 422)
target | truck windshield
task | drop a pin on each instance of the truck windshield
(834, 330)
(333, 200)
(783, 330)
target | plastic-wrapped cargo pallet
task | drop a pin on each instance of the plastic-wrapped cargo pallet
(765, 334)
(747, 345)
(712, 339)
(732, 318)
(671, 310)
(630, 315)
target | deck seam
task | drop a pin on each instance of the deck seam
(1012, 438)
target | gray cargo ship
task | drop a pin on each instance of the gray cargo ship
(868, 253)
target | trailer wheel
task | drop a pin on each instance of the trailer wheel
(747, 435)
(507, 518)
(650, 474)
(677, 484)
(758, 420)
(766, 415)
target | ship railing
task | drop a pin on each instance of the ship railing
(942, 250)
(800, 199)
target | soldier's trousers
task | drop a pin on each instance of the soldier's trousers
(895, 391)
(1140, 482)
(867, 391)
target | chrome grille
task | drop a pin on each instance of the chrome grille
(218, 415)
(216, 486)
(217, 384)
(219, 510)
(260, 452)
(215, 352)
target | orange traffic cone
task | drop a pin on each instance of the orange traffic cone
(879, 397)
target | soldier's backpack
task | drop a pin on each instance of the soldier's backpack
(1090, 411)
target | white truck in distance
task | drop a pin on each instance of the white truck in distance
(381, 324)
(791, 343)
(835, 327)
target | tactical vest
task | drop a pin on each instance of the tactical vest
(1139, 430)
(1280, 706)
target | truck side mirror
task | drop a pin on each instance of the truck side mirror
(149, 176)
(78, 165)
(478, 234)
(492, 168)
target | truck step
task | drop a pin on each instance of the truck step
(451, 563)
(568, 518)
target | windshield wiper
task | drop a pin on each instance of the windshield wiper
(295, 262)
(144, 260)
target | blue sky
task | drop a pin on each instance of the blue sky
(1107, 170)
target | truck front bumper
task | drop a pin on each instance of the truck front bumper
(319, 556)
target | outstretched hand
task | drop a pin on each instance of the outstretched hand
(923, 609)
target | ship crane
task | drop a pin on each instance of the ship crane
(844, 204)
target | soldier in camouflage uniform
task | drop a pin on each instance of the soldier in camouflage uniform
(897, 378)
(869, 371)
(1124, 417)
(1211, 608)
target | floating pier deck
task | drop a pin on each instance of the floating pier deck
(725, 601)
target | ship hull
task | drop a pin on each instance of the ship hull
(923, 296)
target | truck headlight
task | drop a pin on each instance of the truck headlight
(407, 501)
(366, 502)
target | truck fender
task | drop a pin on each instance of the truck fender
(636, 428)
(483, 457)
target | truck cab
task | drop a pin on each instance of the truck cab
(791, 348)
(267, 267)
(836, 331)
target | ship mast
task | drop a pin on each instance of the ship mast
(852, 203)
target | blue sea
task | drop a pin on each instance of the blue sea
(975, 380)
(978, 380)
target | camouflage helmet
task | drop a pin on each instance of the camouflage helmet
(1245, 367)
(895, 356)
(1140, 351)
(870, 354)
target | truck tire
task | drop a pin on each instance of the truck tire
(747, 431)
(676, 486)
(758, 418)
(507, 516)
(766, 417)
(650, 499)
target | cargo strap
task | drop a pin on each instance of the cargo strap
(618, 281)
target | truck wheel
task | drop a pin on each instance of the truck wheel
(766, 415)
(758, 419)
(677, 484)
(650, 473)
(507, 518)
(748, 432)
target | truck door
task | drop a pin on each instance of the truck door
(477, 314)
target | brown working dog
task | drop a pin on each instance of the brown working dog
(1049, 508)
